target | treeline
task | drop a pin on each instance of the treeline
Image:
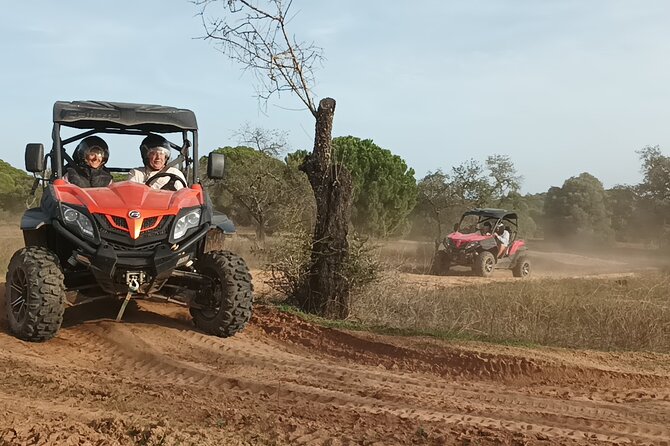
(271, 194)
(266, 191)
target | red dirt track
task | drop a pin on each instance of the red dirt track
(153, 379)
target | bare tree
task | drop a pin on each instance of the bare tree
(271, 142)
(257, 37)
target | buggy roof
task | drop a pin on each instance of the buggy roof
(120, 115)
(492, 213)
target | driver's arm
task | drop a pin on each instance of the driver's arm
(177, 184)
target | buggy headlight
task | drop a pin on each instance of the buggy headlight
(76, 219)
(184, 223)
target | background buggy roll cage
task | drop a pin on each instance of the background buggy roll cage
(59, 153)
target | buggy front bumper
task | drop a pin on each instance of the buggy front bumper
(109, 264)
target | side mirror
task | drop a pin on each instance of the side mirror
(215, 164)
(35, 158)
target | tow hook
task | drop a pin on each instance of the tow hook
(133, 285)
(133, 280)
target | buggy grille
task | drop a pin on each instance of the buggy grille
(114, 230)
(122, 247)
(149, 223)
(120, 222)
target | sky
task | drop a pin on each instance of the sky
(560, 86)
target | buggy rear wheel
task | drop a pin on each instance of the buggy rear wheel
(521, 268)
(34, 294)
(226, 305)
(485, 263)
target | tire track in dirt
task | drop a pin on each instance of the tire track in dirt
(581, 408)
(450, 363)
(548, 421)
(323, 382)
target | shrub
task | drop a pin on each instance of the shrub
(290, 255)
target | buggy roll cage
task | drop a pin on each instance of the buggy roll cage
(493, 214)
(497, 215)
(125, 119)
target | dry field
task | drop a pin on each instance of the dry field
(154, 380)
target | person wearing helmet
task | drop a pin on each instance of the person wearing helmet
(502, 239)
(88, 166)
(155, 151)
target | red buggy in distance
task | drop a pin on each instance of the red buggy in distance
(126, 240)
(470, 245)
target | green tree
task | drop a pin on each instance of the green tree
(535, 209)
(469, 185)
(505, 179)
(623, 202)
(577, 211)
(522, 205)
(654, 193)
(15, 185)
(384, 187)
(656, 170)
(433, 204)
(257, 189)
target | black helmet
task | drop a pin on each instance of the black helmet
(90, 144)
(154, 142)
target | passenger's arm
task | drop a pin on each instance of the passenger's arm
(136, 175)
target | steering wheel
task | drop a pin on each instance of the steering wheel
(165, 174)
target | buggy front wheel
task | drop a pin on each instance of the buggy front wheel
(224, 307)
(34, 294)
(441, 264)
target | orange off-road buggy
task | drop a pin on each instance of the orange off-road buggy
(126, 240)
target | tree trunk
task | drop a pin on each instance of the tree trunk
(260, 229)
(325, 289)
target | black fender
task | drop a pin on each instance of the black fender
(34, 224)
(521, 252)
(34, 219)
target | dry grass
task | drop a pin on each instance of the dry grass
(11, 240)
(631, 313)
(407, 256)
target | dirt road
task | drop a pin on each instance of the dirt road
(154, 380)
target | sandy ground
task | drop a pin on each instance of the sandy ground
(155, 380)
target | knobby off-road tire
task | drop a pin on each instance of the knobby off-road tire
(522, 267)
(441, 263)
(485, 263)
(34, 294)
(229, 301)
